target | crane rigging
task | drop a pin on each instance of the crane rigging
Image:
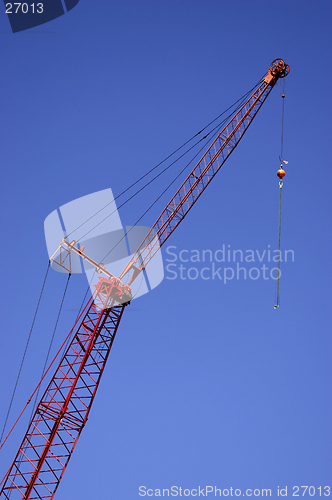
(63, 410)
(281, 174)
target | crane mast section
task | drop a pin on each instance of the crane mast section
(64, 408)
(198, 179)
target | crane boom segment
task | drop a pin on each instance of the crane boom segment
(65, 405)
(202, 174)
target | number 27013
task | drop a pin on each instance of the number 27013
(311, 490)
(14, 8)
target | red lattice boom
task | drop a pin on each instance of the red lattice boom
(64, 408)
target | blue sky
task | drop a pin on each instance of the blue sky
(206, 383)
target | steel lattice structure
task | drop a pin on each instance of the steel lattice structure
(64, 407)
(203, 173)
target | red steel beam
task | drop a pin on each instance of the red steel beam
(64, 408)
(203, 173)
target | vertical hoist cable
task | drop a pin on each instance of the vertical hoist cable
(277, 290)
(280, 174)
(283, 95)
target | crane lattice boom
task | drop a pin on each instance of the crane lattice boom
(65, 405)
(203, 173)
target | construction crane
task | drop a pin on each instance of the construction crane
(63, 410)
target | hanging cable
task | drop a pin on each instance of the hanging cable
(24, 354)
(86, 293)
(281, 175)
(277, 289)
(141, 189)
(47, 356)
(283, 95)
(46, 372)
(50, 346)
(79, 312)
(238, 103)
(158, 198)
(217, 128)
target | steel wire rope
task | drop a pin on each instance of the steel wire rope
(51, 343)
(283, 94)
(79, 311)
(165, 159)
(239, 103)
(46, 372)
(25, 351)
(66, 342)
(44, 369)
(86, 293)
(277, 286)
(45, 364)
(126, 233)
(141, 283)
(218, 126)
(186, 166)
(141, 189)
(163, 192)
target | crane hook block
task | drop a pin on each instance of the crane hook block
(281, 173)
